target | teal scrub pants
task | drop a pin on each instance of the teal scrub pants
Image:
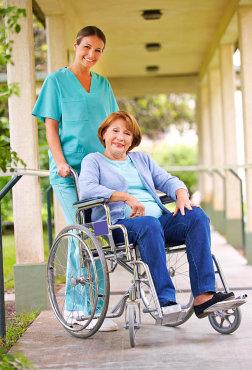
(66, 195)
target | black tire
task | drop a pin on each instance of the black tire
(84, 286)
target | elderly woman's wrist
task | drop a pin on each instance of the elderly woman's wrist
(128, 197)
(181, 193)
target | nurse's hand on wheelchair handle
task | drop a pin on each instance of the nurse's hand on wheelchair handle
(183, 202)
(64, 170)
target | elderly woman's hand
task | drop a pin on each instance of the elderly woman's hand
(183, 202)
(137, 208)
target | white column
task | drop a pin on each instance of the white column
(245, 37)
(206, 152)
(233, 208)
(24, 140)
(56, 42)
(217, 145)
(57, 58)
(200, 140)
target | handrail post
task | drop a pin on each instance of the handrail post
(49, 215)
(242, 209)
(3, 192)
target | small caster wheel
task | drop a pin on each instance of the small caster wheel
(225, 322)
(132, 325)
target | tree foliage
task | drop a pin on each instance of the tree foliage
(155, 113)
(9, 18)
(179, 155)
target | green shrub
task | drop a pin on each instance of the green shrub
(19, 362)
(16, 327)
(14, 330)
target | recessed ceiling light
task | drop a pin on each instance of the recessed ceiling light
(152, 68)
(152, 14)
(153, 46)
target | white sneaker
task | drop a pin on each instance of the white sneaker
(171, 309)
(107, 325)
(71, 317)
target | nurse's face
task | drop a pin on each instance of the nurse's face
(118, 139)
(89, 51)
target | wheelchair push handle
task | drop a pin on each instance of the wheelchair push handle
(75, 175)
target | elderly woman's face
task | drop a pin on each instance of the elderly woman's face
(118, 139)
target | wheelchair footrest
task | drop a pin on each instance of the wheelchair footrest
(226, 305)
(171, 318)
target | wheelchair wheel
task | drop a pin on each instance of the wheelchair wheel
(132, 325)
(78, 282)
(226, 322)
(178, 268)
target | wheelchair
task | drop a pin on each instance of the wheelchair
(80, 262)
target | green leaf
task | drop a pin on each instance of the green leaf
(17, 28)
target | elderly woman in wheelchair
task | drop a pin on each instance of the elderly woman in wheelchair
(120, 188)
(127, 180)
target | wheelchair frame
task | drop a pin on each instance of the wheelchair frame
(81, 277)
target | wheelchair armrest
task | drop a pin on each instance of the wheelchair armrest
(166, 199)
(89, 203)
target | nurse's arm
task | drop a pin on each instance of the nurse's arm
(52, 135)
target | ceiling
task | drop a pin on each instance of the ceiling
(189, 32)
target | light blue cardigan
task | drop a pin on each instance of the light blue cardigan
(98, 178)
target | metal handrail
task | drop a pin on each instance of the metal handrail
(200, 168)
(242, 209)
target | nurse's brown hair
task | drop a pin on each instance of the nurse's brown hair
(90, 31)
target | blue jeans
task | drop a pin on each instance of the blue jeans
(151, 234)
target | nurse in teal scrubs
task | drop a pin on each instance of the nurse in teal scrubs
(73, 102)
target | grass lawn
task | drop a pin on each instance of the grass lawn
(9, 258)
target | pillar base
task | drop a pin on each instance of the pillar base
(234, 232)
(219, 222)
(248, 238)
(30, 283)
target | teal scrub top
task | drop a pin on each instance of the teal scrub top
(78, 113)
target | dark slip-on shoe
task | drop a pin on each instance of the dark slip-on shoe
(200, 310)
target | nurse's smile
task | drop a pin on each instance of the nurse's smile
(89, 50)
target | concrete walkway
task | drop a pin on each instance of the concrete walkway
(194, 345)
